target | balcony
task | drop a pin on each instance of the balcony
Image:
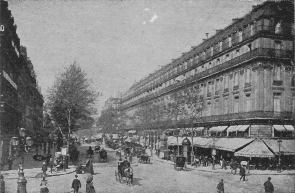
(278, 83)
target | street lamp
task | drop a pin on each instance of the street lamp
(21, 145)
(279, 143)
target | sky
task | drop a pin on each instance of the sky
(116, 42)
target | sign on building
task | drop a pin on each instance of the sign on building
(64, 151)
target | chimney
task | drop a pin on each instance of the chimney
(218, 30)
(254, 7)
(235, 19)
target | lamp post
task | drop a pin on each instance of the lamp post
(186, 143)
(21, 145)
(279, 143)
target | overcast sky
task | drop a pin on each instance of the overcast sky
(116, 41)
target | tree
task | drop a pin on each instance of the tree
(71, 98)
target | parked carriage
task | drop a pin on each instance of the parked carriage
(121, 173)
(144, 159)
(103, 155)
(179, 163)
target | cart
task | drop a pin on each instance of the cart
(144, 158)
(121, 173)
(179, 163)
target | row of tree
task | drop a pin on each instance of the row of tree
(184, 106)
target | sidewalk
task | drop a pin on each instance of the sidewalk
(219, 170)
(31, 173)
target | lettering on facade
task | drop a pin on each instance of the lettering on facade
(7, 77)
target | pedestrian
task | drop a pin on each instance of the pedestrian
(79, 169)
(9, 161)
(220, 187)
(91, 168)
(76, 184)
(2, 184)
(224, 164)
(233, 166)
(90, 187)
(50, 164)
(242, 173)
(268, 187)
(43, 186)
(44, 167)
(213, 162)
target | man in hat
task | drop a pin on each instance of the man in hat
(44, 167)
(268, 187)
(76, 184)
(220, 187)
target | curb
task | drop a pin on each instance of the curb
(216, 171)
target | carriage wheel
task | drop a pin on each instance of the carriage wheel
(116, 174)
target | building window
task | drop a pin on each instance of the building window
(227, 57)
(229, 41)
(248, 75)
(225, 106)
(277, 73)
(237, 53)
(226, 82)
(217, 61)
(277, 102)
(251, 29)
(248, 103)
(240, 36)
(249, 47)
(236, 80)
(220, 46)
(236, 105)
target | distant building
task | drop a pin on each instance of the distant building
(21, 101)
(111, 103)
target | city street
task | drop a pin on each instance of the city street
(158, 177)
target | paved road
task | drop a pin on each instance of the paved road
(158, 177)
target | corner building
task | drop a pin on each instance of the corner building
(21, 101)
(245, 73)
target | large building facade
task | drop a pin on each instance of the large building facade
(21, 101)
(244, 74)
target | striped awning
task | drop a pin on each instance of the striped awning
(244, 127)
(287, 147)
(289, 127)
(279, 128)
(232, 128)
(213, 129)
(222, 128)
(199, 129)
(255, 149)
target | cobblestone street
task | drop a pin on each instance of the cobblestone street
(158, 177)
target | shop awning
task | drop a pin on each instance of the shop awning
(222, 128)
(286, 146)
(255, 149)
(232, 128)
(289, 127)
(213, 129)
(231, 144)
(132, 131)
(279, 127)
(199, 129)
(174, 141)
(202, 142)
(243, 128)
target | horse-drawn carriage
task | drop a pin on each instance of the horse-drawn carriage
(124, 171)
(144, 159)
(179, 163)
(103, 155)
(138, 151)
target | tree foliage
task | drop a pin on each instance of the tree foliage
(71, 98)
